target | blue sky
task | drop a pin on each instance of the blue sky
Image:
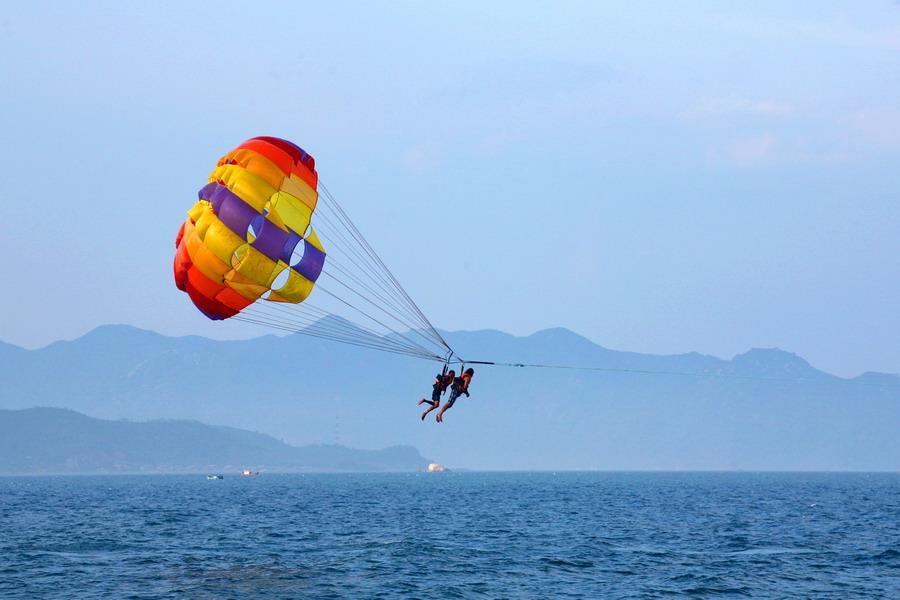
(660, 177)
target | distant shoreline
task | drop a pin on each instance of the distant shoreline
(237, 474)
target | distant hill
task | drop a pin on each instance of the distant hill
(763, 409)
(53, 440)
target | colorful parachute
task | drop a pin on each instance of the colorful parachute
(249, 236)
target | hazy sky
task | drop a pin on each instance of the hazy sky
(660, 177)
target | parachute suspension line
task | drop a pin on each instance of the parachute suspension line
(316, 315)
(307, 332)
(336, 327)
(386, 312)
(311, 330)
(351, 251)
(447, 362)
(362, 245)
(350, 331)
(357, 280)
(376, 259)
(313, 318)
(353, 254)
(342, 276)
(355, 260)
(364, 313)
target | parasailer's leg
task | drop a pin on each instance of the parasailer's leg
(435, 400)
(433, 406)
(440, 416)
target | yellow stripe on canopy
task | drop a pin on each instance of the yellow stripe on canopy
(252, 189)
(287, 212)
(209, 264)
(204, 218)
(216, 235)
(298, 188)
(197, 210)
(296, 289)
(313, 239)
(254, 265)
(257, 164)
(244, 286)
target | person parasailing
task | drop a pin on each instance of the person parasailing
(460, 386)
(442, 381)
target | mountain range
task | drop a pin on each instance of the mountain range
(765, 409)
(55, 440)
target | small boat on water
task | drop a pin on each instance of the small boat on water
(214, 477)
(249, 473)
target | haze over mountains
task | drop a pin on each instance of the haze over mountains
(765, 409)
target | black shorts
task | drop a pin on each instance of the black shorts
(454, 394)
(436, 395)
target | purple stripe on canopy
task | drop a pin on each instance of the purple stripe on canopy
(228, 206)
(288, 249)
(271, 240)
(207, 190)
(310, 266)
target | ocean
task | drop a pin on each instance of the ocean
(452, 535)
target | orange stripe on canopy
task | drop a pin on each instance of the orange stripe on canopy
(204, 284)
(306, 174)
(282, 159)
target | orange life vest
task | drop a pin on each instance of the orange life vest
(467, 379)
(444, 381)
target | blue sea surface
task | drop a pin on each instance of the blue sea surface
(451, 535)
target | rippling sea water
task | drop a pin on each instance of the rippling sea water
(451, 535)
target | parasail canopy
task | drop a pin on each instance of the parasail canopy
(248, 251)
